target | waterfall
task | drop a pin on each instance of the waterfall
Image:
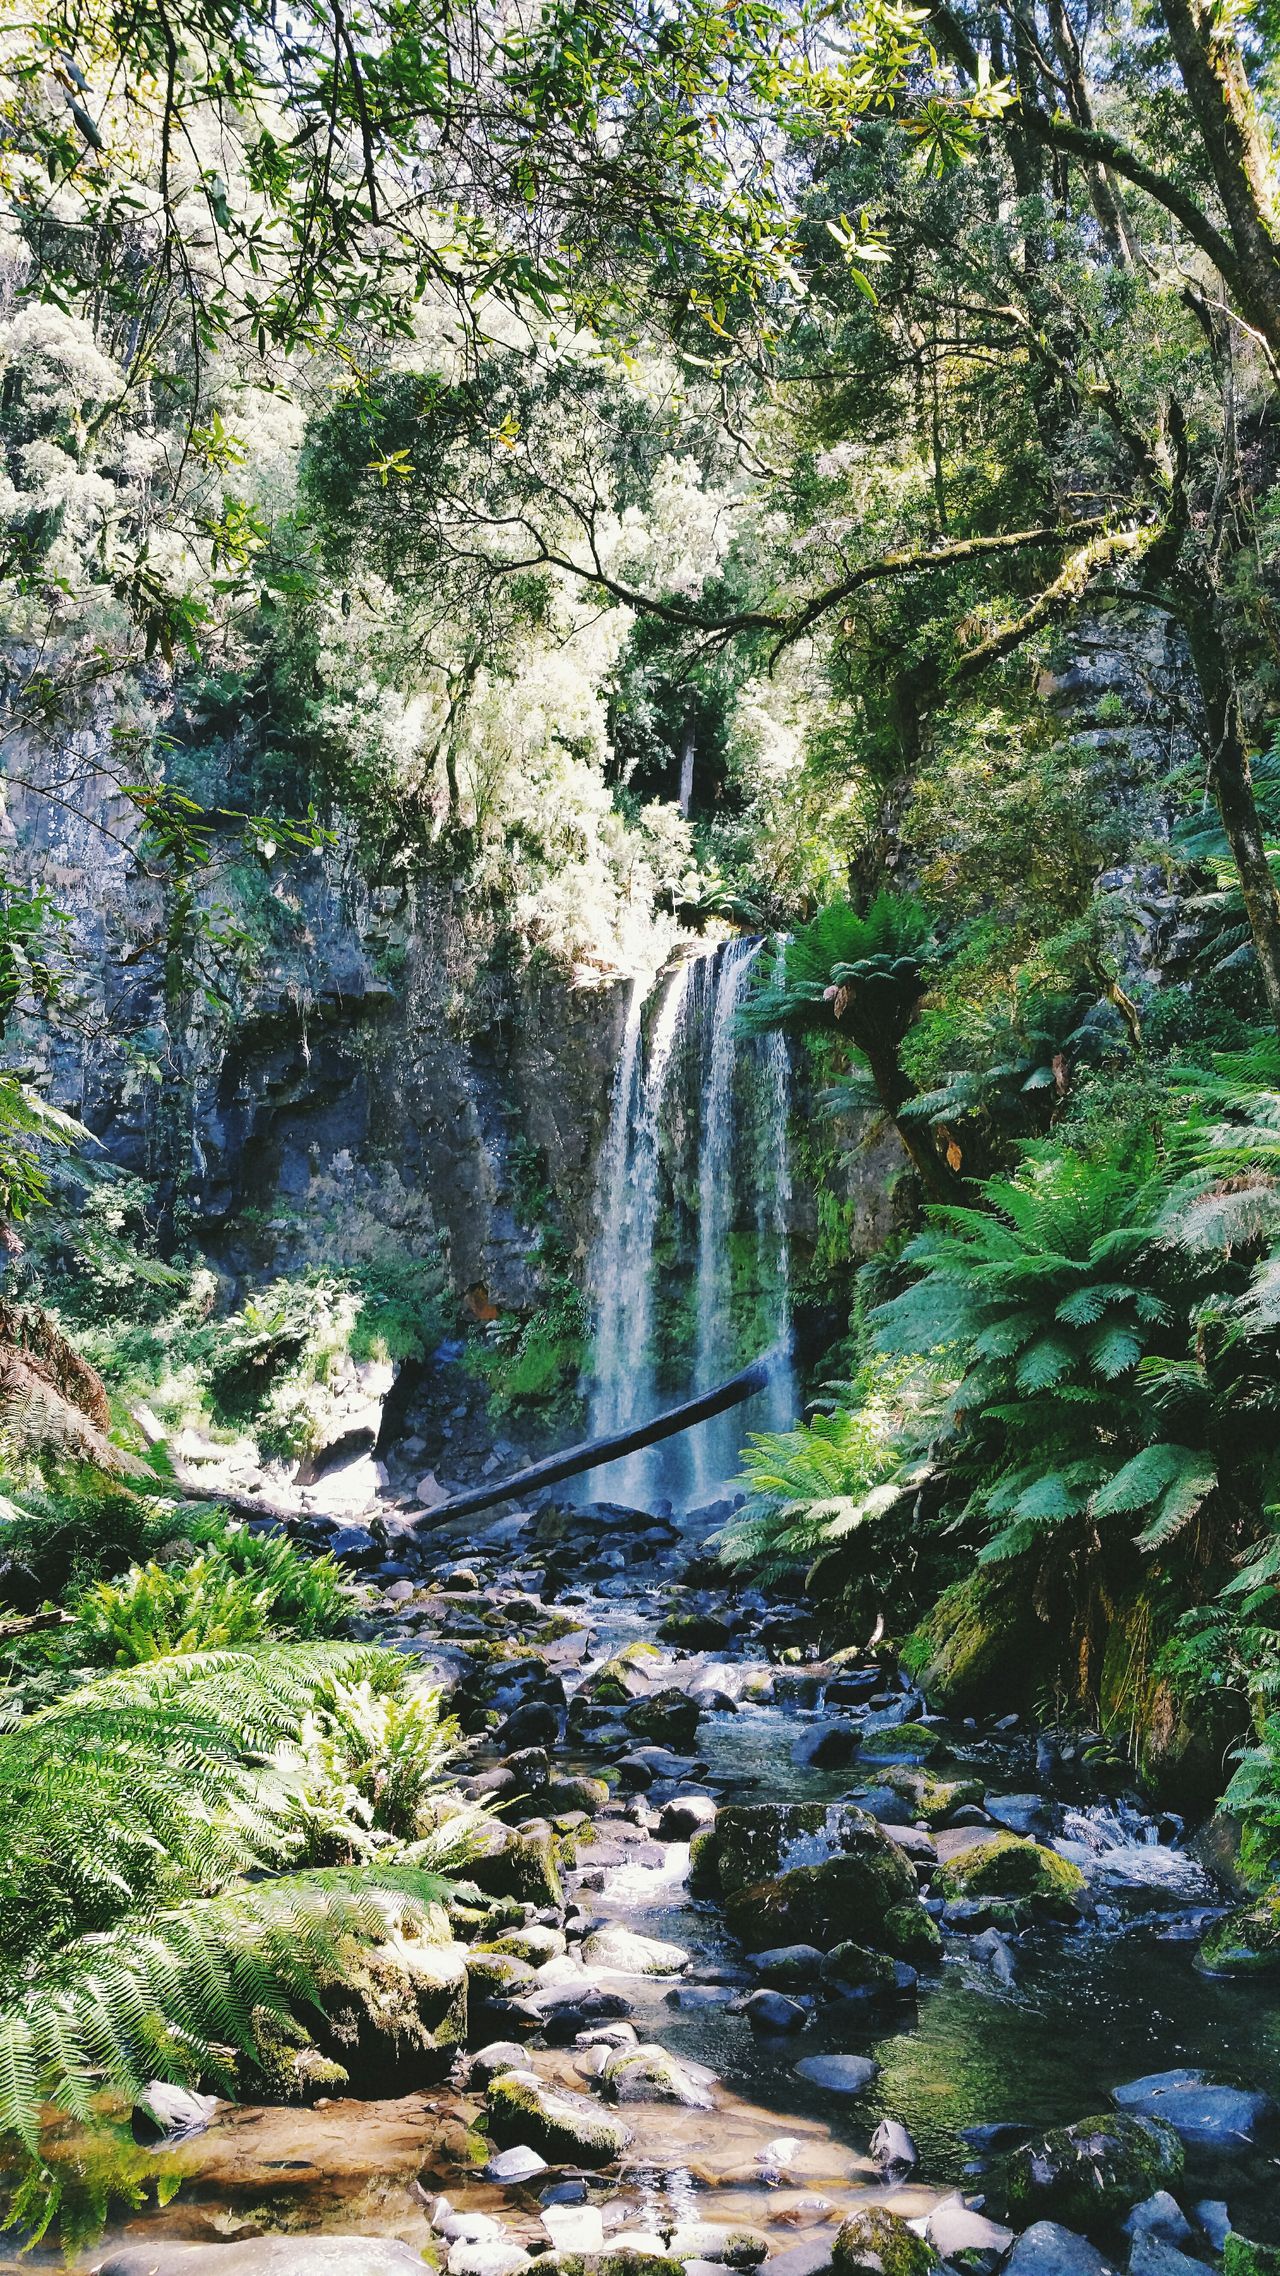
(624, 1360)
(689, 1275)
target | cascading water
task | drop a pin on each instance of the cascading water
(623, 1386)
(690, 1271)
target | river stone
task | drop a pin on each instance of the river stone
(516, 1862)
(497, 1974)
(490, 2062)
(565, 2128)
(399, 2017)
(533, 1943)
(838, 2074)
(773, 2011)
(1210, 2117)
(685, 1815)
(952, 2229)
(1046, 2249)
(1246, 1942)
(828, 1748)
(566, 1794)
(803, 2259)
(891, 2148)
(652, 2074)
(462, 2228)
(517, 2164)
(858, 1968)
(1151, 2256)
(788, 1964)
(1021, 1813)
(488, 2256)
(574, 2228)
(266, 2256)
(669, 1718)
(726, 2247)
(1093, 2173)
(756, 1841)
(879, 2240)
(631, 1954)
(1159, 2216)
(164, 2112)
(983, 1862)
(1214, 2220)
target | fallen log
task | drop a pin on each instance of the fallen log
(594, 1452)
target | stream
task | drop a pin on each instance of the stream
(1023, 2030)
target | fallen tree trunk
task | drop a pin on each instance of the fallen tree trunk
(595, 1451)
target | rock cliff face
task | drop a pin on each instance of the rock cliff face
(366, 1053)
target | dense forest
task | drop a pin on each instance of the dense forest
(641, 727)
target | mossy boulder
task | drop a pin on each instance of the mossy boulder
(1246, 1942)
(287, 2065)
(704, 1864)
(978, 1646)
(1240, 2257)
(623, 2262)
(518, 1862)
(653, 2074)
(1088, 2176)
(666, 1719)
(566, 2129)
(398, 2017)
(879, 2240)
(933, 1799)
(899, 1742)
(696, 1631)
(497, 1975)
(861, 1969)
(819, 1904)
(912, 1934)
(1010, 1867)
(804, 1873)
(566, 1794)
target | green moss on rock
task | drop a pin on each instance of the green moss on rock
(912, 1934)
(1010, 1867)
(879, 2240)
(563, 2128)
(1241, 2257)
(1246, 1942)
(1088, 2176)
(965, 1651)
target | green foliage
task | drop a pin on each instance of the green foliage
(242, 1588)
(153, 1826)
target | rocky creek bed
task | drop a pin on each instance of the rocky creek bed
(764, 1965)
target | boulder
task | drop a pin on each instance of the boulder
(669, 1718)
(1091, 2174)
(517, 1862)
(490, 2062)
(653, 2074)
(564, 2128)
(879, 2240)
(630, 1954)
(515, 2165)
(953, 2231)
(1246, 1942)
(1047, 2249)
(892, 2150)
(1001, 1864)
(804, 1873)
(789, 1964)
(399, 2017)
(1222, 2118)
(487, 2256)
(773, 2011)
(685, 1815)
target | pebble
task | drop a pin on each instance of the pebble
(518, 2164)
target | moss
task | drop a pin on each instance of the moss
(1090, 2175)
(669, 1719)
(1246, 1942)
(609, 2264)
(933, 1799)
(399, 2013)
(880, 2240)
(977, 1645)
(700, 1631)
(589, 1794)
(561, 2128)
(1010, 1867)
(1241, 2257)
(287, 2065)
(858, 1966)
(520, 1864)
(557, 1627)
(912, 1933)
(704, 1864)
(909, 1742)
(497, 1975)
(818, 1904)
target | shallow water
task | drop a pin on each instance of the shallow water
(1087, 2010)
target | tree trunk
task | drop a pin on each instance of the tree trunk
(1213, 72)
(1231, 781)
